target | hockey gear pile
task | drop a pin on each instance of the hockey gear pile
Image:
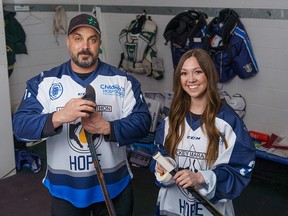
(139, 50)
(224, 37)
(236, 101)
(185, 31)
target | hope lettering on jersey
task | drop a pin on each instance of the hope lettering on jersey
(80, 163)
(188, 209)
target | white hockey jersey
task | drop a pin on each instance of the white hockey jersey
(70, 171)
(224, 181)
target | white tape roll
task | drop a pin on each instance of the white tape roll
(163, 162)
(163, 178)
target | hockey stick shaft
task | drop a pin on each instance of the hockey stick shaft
(201, 199)
(100, 175)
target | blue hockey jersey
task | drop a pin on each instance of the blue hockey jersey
(236, 57)
(224, 38)
(224, 181)
(70, 171)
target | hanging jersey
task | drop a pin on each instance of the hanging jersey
(15, 39)
(230, 48)
(224, 38)
(59, 22)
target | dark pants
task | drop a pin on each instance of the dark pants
(123, 205)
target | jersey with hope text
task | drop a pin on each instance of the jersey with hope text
(224, 181)
(70, 171)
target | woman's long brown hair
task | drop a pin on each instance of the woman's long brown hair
(181, 104)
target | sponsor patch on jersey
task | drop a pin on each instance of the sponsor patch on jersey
(55, 91)
(104, 108)
(116, 90)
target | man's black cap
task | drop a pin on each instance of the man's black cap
(84, 20)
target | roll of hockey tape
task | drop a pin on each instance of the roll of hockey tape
(163, 178)
(161, 160)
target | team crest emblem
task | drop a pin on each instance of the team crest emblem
(77, 138)
(190, 160)
(55, 91)
(248, 68)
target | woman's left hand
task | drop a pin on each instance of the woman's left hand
(186, 178)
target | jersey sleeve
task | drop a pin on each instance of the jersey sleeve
(159, 147)
(28, 121)
(244, 62)
(234, 174)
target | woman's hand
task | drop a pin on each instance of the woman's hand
(160, 169)
(186, 178)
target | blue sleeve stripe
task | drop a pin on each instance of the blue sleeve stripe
(242, 34)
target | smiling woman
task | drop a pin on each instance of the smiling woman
(215, 166)
(194, 82)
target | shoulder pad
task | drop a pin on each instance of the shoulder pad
(180, 27)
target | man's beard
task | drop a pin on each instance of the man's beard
(85, 62)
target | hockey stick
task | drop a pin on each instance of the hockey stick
(90, 95)
(205, 202)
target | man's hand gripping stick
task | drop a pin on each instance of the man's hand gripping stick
(91, 95)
